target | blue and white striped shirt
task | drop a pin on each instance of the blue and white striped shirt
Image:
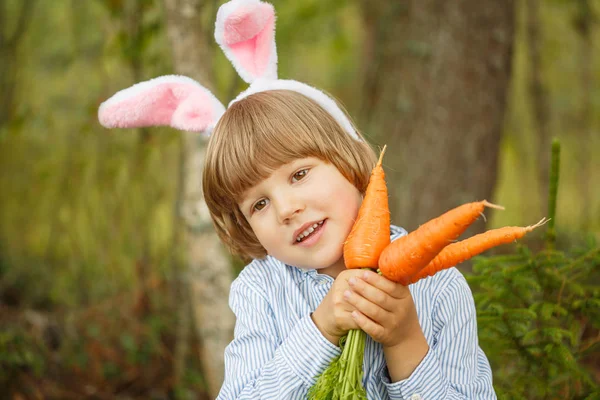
(278, 352)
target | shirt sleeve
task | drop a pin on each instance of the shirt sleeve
(261, 365)
(455, 367)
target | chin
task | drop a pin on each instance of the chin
(317, 262)
(327, 261)
(323, 258)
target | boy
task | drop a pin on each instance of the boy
(283, 182)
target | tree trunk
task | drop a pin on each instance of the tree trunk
(208, 271)
(436, 77)
(9, 43)
(539, 99)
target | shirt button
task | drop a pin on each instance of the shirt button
(415, 397)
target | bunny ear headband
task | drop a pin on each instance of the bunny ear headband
(245, 30)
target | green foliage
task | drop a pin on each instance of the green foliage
(539, 315)
(342, 379)
(19, 353)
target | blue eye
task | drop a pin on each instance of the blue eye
(299, 175)
(259, 205)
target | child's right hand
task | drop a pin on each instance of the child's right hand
(333, 316)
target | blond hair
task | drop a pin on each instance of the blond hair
(257, 135)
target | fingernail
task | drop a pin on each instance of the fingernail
(365, 275)
(347, 294)
(354, 314)
(352, 281)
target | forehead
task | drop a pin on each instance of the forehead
(261, 133)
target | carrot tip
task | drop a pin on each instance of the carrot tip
(542, 222)
(492, 205)
(483, 216)
(381, 155)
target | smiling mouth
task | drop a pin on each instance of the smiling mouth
(309, 231)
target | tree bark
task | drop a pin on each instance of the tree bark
(208, 271)
(435, 83)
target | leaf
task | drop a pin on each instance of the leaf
(524, 314)
(325, 384)
(496, 309)
(535, 351)
(546, 311)
(556, 335)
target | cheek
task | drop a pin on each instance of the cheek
(350, 209)
(346, 199)
(267, 234)
(259, 231)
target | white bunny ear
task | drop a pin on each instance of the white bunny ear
(176, 101)
(245, 30)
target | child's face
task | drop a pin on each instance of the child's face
(297, 197)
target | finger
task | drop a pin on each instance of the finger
(366, 307)
(373, 294)
(341, 303)
(392, 288)
(372, 328)
(348, 274)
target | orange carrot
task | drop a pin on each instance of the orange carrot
(371, 231)
(369, 235)
(461, 251)
(406, 256)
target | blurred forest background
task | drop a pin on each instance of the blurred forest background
(112, 282)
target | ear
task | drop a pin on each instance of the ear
(245, 30)
(176, 101)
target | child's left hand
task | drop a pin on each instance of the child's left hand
(385, 310)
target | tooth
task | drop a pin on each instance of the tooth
(309, 231)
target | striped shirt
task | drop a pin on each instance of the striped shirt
(277, 351)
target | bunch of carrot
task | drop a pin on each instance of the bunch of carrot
(422, 253)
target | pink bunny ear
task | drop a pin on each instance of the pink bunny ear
(245, 30)
(176, 101)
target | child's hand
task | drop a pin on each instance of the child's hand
(383, 309)
(333, 316)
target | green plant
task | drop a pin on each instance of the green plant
(19, 353)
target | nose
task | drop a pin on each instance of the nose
(287, 205)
